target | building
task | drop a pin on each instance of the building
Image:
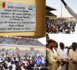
(49, 15)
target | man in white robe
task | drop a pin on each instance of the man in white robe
(73, 57)
(62, 54)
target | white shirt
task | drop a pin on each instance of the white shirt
(43, 60)
(13, 67)
(25, 63)
(22, 68)
(73, 54)
(9, 64)
(62, 53)
(63, 31)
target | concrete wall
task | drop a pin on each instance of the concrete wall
(41, 49)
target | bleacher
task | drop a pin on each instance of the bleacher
(18, 41)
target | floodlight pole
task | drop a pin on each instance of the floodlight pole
(61, 10)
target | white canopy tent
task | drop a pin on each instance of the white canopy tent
(67, 39)
(42, 40)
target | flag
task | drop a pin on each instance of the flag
(2, 4)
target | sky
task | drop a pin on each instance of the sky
(57, 5)
(65, 38)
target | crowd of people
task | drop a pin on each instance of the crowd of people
(61, 57)
(22, 61)
(17, 59)
(18, 41)
(60, 27)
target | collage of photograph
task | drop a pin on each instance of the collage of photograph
(38, 35)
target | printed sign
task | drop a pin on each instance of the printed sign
(17, 17)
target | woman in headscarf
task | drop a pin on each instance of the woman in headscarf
(52, 57)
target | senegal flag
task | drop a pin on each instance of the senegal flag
(2, 4)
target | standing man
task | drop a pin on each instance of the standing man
(62, 54)
(73, 57)
(71, 12)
